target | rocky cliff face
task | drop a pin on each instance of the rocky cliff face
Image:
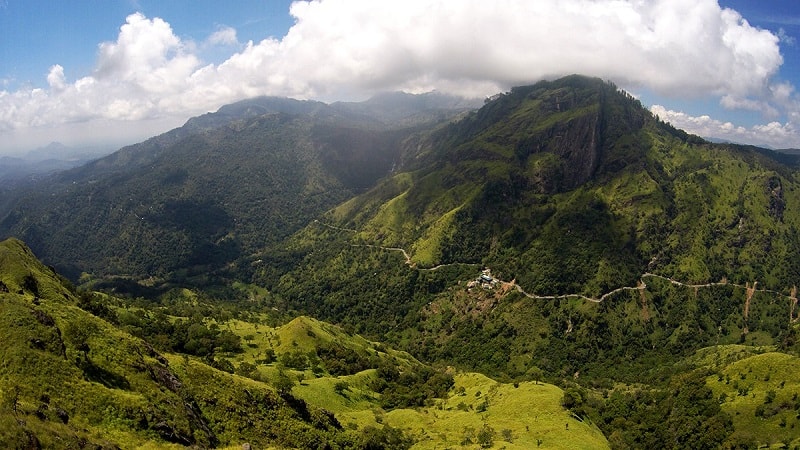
(563, 133)
(576, 145)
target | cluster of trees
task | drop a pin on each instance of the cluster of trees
(410, 387)
(340, 360)
(192, 335)
(683, 413)
(332, 358)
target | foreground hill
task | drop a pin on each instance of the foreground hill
(71, 379)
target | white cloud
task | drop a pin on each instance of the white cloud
(56, 78)
(786, 38)
(223, 36)
(676, 47)
(340, 49)
(773, 134)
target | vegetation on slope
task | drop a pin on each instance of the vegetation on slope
(181, 208)
(70, 379)
(617, 246)
(568, 191)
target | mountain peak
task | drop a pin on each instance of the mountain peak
(576, 119)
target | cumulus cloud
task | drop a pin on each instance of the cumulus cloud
(345, 49)
(56, 78)
(677, 47)
(773, 134)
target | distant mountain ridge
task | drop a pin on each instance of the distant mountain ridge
(225, 183)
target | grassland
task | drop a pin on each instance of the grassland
(760, 393)
(518, 416)
(513, 416)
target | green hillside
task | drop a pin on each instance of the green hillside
(557, 269)
(182, 207)
(70, 379)
(571, 186)
(760, 393)
(617, 246)
(567, 188)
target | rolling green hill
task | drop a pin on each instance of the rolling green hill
(70, 379)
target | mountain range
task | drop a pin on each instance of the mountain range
(558, 231)
(225, 184)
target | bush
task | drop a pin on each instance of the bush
(486, 436)
(385, 438)
(340, 386)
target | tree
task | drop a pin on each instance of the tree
(535, 373)
(573, 398)
(340, 386)
(30, 284)
(246, 369)
(78, 333)
(283, 383)
(385, 438)
(486, 436)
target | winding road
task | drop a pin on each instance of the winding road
(750, 289)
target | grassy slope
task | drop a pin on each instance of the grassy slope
(528, 412)
(105, 390)
(744, 377)
(69, 377)
(520, 417)
(116, 390)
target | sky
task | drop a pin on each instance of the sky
(114, 72)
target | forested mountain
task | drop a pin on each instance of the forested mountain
(617, 247)
(561, 232)
(571, 186)
(193, 200)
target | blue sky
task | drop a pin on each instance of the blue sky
(114, 72)
(35, 34)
